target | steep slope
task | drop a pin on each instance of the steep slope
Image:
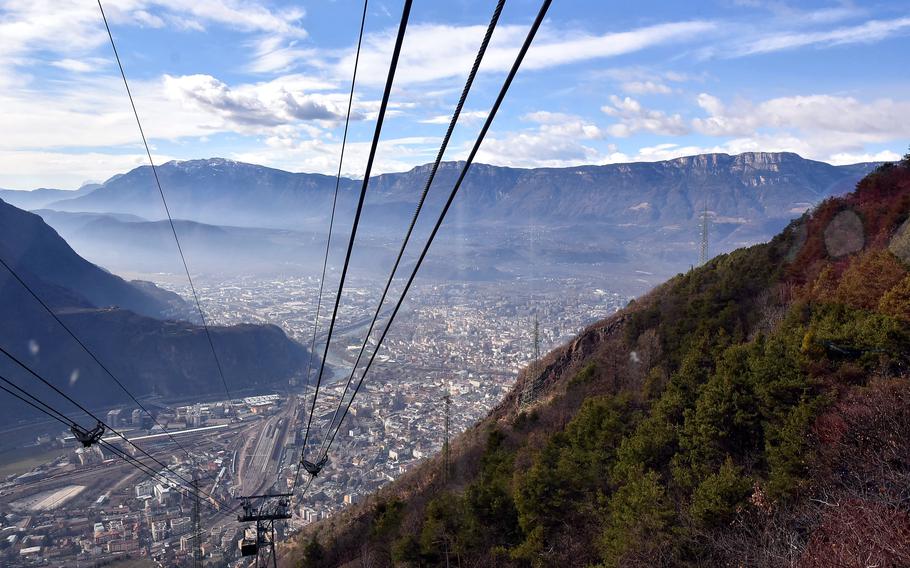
(752, 412)
(150, 356)
(35, 250)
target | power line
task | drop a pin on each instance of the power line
(328, 243)
(88, 351)
(164, 201)
(65, 419)
(426, 189)
(91, 354)
(158, 476)
(120, 435)
(406, 11)
(55, 414)
(483, 132)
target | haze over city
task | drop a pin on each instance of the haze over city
(287, 283)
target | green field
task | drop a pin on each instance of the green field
(17, 462)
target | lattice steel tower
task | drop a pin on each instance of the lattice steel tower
(532, 375)
(703, 253)
(197, 528)
(445, 445)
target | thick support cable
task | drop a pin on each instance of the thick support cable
(119, 434)
(405, 14)
(328, 243)
(47, 409)
(167, 210)
(55, 414)
(483, 132)
(426, 189)
(88, 351)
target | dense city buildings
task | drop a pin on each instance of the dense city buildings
(467, 340)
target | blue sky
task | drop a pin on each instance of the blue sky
(606, 82)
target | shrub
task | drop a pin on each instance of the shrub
(896, 301)
(868, 278)
(717, 499)
(638, 520)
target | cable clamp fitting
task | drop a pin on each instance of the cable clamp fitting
(88, 437)
(314, 468)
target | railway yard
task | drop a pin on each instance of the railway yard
(91, 505)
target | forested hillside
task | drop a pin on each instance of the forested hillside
(751, 412)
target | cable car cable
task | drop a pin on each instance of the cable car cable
(426, 189)
(328, 243)
(65, 420)
(88, 351)
(167, 210)
(85, 410)
(483, 132)
(406, 11)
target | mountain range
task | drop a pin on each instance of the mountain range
(38, 198)
(745, 186)
(628, 218)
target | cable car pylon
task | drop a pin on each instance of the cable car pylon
(264, 510)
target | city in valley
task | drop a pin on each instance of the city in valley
(65, 504)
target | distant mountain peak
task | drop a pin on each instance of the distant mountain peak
(216, 162)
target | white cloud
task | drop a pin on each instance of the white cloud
(270, 104)
(93, 112)
(75, 28)
(557, 141)
(66, 170)
(848, 158)
(839, 120)
(634, 118)
(433, 51)
(276, 53)
(536, 149)
(466, 117)
(565, 125)
(786, 13)
(666, 151)
(868, 32)
(84, 65)
(321, 155)
(242, 15)
(646, 88)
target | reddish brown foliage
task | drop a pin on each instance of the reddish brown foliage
(882, 200)
(863, 442)
(859, 533)
(896, 302)
(868, 278)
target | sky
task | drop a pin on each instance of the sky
(267, 82)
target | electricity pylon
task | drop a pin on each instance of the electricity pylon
(445, 445)
(703, 254)
(532, 378)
